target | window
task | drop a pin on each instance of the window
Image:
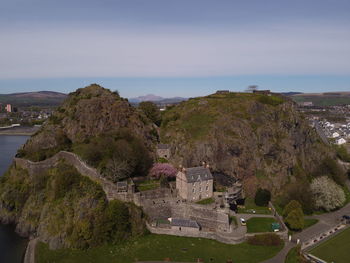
(207, 188)
(200, 189)
(193, 190)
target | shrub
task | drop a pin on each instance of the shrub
(342, 153)
(300, 191)
(151, 111)
(262, 197)
(327, 194)
(268, 239)
(331, 168)
(292, 205)
(295, 219)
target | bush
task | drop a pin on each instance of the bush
(342, 153)
(151, 111)
(268, 239)
(262, 197)
(299, 191)
(295, 219)
(292, 205)
(327, 194)
(331, 168)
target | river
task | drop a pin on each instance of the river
(12, 246)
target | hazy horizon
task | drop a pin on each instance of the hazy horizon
(177, 48)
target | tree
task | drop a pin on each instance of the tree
(117, 169)
(163, 170)
(295, 219)
(292, 205)
(327, 194)
(262, 197)
(151, 111)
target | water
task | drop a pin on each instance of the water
(12, 246)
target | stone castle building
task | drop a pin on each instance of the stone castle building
(195, 183)
(163, 151)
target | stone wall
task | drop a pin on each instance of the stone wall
(221, 237)
(209, 219)
(37, 167)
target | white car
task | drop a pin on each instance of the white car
(243, 223)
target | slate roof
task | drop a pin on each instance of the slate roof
(163, 146)
(184, 223)
(196, 174)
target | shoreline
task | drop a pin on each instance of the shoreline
(19, 131)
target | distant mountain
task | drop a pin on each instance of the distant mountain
(324, 99)
(156, 99)
(27, 99)
(291, 93)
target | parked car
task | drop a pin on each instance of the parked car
(243, 223)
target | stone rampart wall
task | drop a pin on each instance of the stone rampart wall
(228, 239)
(208, 218)
(37, 167)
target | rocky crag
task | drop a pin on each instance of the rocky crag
(56, 197)
(260, 139)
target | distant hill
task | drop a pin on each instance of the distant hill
(156, 99)
(40, 98)
(324, 99)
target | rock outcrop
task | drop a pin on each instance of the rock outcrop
(248, 136)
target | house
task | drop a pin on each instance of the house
(195, 183)
(8, 108)
(335, 135)
(184, 225)
(263, 92)
(222, 92)
(340, 141)
(163, 151)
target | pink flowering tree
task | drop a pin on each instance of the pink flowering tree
(162, 170)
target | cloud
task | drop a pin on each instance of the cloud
(42, 52)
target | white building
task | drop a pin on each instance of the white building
(340, 141)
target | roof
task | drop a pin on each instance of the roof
(122, 184)
(163, 146)
(184, 223)
(199, 173)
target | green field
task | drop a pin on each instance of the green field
(335, 249)
(250, 206)
(160, 247)
(260, 224)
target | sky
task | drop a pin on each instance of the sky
(174, 48)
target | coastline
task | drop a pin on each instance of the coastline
(19, 131)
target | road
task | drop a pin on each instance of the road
(326, 221)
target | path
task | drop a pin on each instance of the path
(30, 251)
(326, 221)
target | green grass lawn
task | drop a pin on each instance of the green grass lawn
(206, 201)
(250, 206)
(159, 247)
(148, 185)
(260, 224)
(292, 256)
(335, 249)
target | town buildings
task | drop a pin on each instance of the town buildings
(8, 108)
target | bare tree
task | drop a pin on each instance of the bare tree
(117, 169)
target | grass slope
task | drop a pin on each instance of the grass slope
(160, 247)
(335, 249)
(260, 224)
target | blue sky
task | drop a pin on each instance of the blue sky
(174, 48)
